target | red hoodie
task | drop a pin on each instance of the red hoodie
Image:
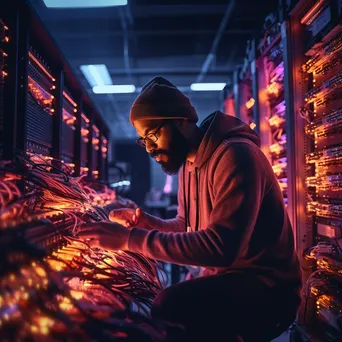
(234, 206)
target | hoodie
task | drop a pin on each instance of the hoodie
(231, 214)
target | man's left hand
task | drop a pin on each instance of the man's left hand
(105, 235)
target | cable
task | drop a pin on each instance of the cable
(53, 283)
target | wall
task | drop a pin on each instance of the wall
(128, 151)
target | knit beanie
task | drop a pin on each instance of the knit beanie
(160, 99)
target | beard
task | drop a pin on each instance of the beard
(176, 153)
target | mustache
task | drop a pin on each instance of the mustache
(155, 153)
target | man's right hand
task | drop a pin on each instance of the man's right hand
(129, 217)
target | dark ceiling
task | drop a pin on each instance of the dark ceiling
(184, 41)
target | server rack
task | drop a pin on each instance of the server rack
(5, 37)
(95, 151)
(43, 108)
(14, 62)
(246, 89)
(272, 100)
(314, 32)
(85, 140)
(69, 111)
(264, 108)
(299, 76)
(229, 101)
(40, 106)
(104, 155)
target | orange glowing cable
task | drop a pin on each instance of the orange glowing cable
(69, 99)
(250, 103)
(276, 121)
(273, 88)
(311, 12)
(96, 129)
(85, 118)
(84, 132)
(41, 66)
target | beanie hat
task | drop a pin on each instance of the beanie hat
(160, 99)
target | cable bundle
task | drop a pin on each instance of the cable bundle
(54, 286)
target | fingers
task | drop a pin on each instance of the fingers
(134, 221)
(111, 216)
(122, 216)
(126, 217)
(129, 224)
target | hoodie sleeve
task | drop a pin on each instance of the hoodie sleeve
(238, 180)
(176, 224)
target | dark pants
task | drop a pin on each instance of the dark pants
(228, 307)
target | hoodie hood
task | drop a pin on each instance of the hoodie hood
(219, 127)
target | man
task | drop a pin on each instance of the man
(231, 221)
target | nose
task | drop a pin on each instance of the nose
(150, 146)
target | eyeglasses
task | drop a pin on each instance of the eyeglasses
(150, 137)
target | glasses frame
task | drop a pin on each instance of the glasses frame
(151, 136)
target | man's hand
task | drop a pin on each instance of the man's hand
(105, 235)
(126, 203)
(129, 217)
(119, 203)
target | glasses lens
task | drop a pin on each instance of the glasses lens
(151, 137)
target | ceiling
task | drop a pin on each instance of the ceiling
(184, 41)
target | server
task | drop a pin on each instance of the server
(42, 101)
(299, 92)
(271, 49)
(318, 104)
(241, 99)
(6, 136)
(53, 179)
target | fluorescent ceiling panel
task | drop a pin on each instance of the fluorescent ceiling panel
(207, 86)
(114, 89)
(96, 75)
(83, 3)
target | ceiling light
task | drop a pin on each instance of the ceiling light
(83, 3)
(114, 89)
(96, 75)
(207, 86)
